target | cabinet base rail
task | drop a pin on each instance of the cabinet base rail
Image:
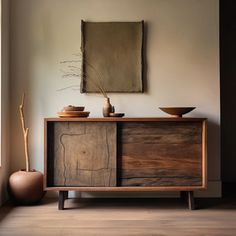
(185, 195)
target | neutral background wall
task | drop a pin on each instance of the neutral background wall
(5, 157)
(182, 51)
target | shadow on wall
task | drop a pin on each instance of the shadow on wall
(213, 152)
(145, 64)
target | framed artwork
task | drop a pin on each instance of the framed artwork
(112, 56)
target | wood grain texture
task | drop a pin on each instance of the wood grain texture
(126, 119)
(160, 154)
(204, 154)
(116, 217)
(127, 188)
(82, 154)
(185, 139)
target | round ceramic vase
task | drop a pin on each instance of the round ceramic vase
(26, 187)
(107, 107)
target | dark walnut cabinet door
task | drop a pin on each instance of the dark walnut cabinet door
(82, 154)
(160, 154)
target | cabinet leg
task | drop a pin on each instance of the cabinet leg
(191, 204)
(63, 195)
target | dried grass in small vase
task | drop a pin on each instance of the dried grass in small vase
(74, 71)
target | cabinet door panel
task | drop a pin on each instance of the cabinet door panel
(160, 154)
(82, 154)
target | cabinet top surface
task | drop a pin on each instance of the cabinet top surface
(126, 119)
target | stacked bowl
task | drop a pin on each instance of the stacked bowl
(73, 111)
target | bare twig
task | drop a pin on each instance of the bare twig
(75, 71)
(68, 87)
(25, 133)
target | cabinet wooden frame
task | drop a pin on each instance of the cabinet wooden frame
(203, 185)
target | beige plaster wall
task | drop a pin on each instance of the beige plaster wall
(182, 56)
(4, 150)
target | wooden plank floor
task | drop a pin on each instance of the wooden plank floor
(108, 217)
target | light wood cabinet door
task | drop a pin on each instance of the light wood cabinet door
(82, 154)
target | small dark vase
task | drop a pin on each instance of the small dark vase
(26, 187)
(107, 108)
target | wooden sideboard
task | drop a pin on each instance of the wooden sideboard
(125, 154)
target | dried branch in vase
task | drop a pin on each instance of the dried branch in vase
(25, 133)
(73, 70)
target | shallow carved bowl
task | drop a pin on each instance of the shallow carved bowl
(73, 108)
(177, 111)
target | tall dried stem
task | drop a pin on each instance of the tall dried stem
(75, 71)
(25, 133)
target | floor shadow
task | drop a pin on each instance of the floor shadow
(150, 203)
(5, 210)
(147, 203)
(228, 203)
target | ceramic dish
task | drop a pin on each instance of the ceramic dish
(73, 114)
(116, 114)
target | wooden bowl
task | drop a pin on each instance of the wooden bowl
(73, 108)
(177, 111)
(73, 114)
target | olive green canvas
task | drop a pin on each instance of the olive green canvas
(112, 56)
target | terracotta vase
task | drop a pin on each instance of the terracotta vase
(107, 107)
(26, 187)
